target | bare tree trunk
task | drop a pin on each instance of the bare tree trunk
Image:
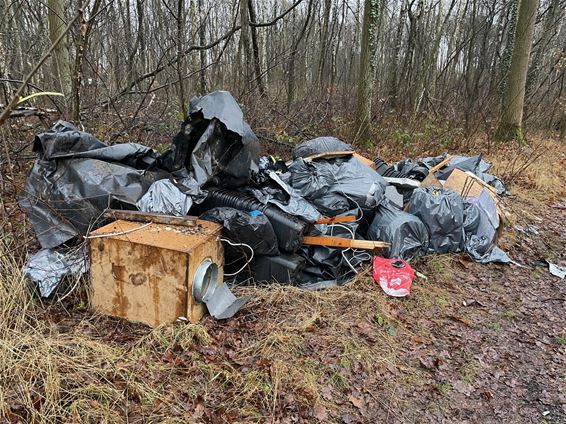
(180, 53)
(245, 42)
(62, 62)
(509, 45)
(510, 124)
(85, 31)
(292, 58)
(553, 15)
(202, 53)
(3, 51)
(323, 45)
(563, 125)
(198, 28)
(255, 48)
(394, 65)
(366, 76)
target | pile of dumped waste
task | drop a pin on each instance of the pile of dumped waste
(309, 221)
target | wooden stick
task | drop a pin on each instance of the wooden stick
(343, 242)
(336, 219)
(325, 155)
(440, 165)
(333, 154)
(157, 218)
(364, 160)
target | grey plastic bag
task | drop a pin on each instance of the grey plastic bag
(442, 212)
(321, 180)
(320, 145)
(475, 164)
(406, 233)
(481, 240)
(164, 197)
(66, 197)
(76, 177)
(47, 267)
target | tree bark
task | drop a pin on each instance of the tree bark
(245, 42)
(180, 49)
(366, 75)
(292, 58)
(509, 45)
(394, 64)
(323, 45)
(510, 124)
(255, 48)
(62, 61)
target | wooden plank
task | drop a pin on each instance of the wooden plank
(329, 155)
(430, 180)
(343, 242)
(440, 165)
(365, 160)
(325, 155)
(336, 219)
(158, 218)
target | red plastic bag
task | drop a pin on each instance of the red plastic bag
(393, 275)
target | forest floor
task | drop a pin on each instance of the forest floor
(472, 343)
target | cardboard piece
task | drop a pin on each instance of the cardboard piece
(466, 184)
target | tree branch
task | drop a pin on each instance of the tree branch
(277, 18)
(12, 104)
(190, 49)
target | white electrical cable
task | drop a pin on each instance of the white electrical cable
(247, 263)
(345, 250)
(357, 204)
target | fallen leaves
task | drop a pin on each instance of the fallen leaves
(320, 413)
(356, 400)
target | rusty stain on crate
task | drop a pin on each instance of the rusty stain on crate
(145, 273)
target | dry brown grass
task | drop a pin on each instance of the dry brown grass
(46, 376)
(292, 345)
(536, 171)
(304, 342)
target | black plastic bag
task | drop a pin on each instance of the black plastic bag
(277, 192)
(406, 233)
(65, 141)
(328, 266)
(242, 227)
(326, 182)
(442, 212)
(411, 169)
(215, 144)
(288, 229)
(283, 268)
(76, 178)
